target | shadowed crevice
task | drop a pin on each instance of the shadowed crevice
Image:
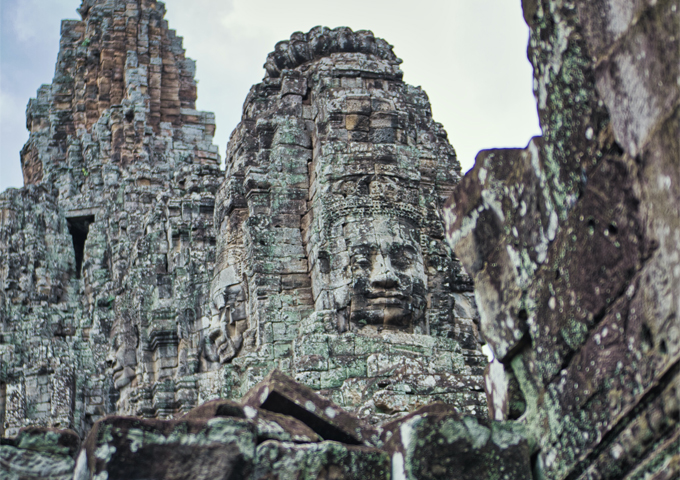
(79, 227)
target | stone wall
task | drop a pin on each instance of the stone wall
(327, 261)
(572, 245)
(280, 429)
(119, 296)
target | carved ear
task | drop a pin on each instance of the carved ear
(364, 185)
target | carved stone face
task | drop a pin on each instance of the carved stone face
(385, 275)
(122, 360)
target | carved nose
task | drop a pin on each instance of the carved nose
(385, 280)
(383, 276)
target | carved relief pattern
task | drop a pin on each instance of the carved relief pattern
(120, 162)
(326, 259)
(334, 179)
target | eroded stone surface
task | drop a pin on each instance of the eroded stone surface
(328, 260)
(569, 244)
(131, 448)
(250, 440)
(280, 394)
(436, 443)
(269, 424)
(105, 254)
(331, 264)
(39, 453)
(325, 460)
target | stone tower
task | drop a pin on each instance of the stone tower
(331, 260)
(328, 261)
(110, 243)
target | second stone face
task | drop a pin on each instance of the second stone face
(331, 264)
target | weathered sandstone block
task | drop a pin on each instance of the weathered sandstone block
(572, 244)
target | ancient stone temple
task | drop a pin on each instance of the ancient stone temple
(327, 260)
(331, 262)
(301, 315)
(110, 243)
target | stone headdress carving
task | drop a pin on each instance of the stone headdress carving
(321, 42)
(328, 220)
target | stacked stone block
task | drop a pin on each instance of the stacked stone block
(337, 167)
(571, 244)
(118, 166)
(120, 309)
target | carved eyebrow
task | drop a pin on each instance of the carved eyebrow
(401, 248)
(361, 261)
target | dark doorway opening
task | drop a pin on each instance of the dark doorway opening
(78, 227)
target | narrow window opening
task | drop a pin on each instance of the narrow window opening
(79, 227)
(207, 210)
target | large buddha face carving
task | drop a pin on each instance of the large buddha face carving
(383, 273)
(122, 360)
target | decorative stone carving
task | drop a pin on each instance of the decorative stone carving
(323, 42)
(328, 232)
(329, 264)
(327, 260)
(101, 305)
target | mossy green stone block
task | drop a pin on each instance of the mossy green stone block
(307, 348)
(332, 378)
(367, 346)
(342, 345)
(321, 460)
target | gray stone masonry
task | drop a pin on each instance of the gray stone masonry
(331, 261)
(573, 245)
(327, 260)
(111, 237)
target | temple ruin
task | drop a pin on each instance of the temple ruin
(316, 308)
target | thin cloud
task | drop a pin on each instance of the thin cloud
(470, 57)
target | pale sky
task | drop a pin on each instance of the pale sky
(468, 55)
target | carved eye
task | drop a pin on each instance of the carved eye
(402, 257)
(361, 261)
(361, 257)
